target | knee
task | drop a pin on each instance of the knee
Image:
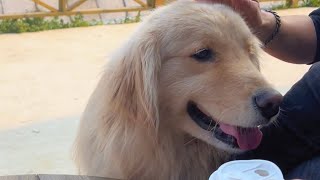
(305, 94)
(307, 170)
(312, 77)
(315, 68)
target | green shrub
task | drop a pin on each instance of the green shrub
(16, 25)
(305, 3)
(311, 3)
(78, 21)
(40, 24)
(280, 6)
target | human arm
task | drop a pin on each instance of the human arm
(296, 41)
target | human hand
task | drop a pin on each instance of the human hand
(248, 9)
(251, 13)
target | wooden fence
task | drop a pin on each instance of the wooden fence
(51, 177)
(293, 3)
(64, 9)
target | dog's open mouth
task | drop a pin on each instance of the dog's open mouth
(234, 136)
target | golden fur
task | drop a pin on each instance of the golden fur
(135, 125)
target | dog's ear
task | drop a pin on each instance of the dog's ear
(134, 91)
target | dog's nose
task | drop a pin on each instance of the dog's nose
(268, 102)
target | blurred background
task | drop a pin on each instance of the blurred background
(52, 53)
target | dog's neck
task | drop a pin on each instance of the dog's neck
(180, 158)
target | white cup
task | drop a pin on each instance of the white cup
(248, 170)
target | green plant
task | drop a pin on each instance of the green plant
(304, 3)
(78, 21)
(40, 24)
(126, 20)
(138, 17)
(280, 6)
(310, 3)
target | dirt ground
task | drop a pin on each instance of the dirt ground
(46, 79)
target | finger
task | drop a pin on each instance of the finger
(226, 2)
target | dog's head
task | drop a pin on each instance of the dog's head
(194, 67)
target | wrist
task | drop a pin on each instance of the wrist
(267, 26)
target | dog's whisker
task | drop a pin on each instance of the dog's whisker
(225, 111)
(190, 141)
(210, 125)
(215, 127)
(193, 139)
(211, 130)
(276, 123)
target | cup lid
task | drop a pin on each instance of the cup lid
(248, 170)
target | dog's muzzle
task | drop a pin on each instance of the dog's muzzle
(245, 138)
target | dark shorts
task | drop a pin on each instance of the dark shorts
(295, 138)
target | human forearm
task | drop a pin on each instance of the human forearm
(296, 41)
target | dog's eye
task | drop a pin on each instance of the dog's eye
(203, 55)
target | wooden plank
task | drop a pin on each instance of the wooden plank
(151, 3)
(47, 6)
(295, 3)
(62, 5)
(25, 177)
(1, 7)
(70, 13)
(269, 0)
(69, 177)
(141, 3)
(52, 177)
(160, 3)
(76, 4)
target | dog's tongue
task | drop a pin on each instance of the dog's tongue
(247, 138)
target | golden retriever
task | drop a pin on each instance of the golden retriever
(181, 94)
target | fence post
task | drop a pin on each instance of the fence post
(293, 3)
(160, 3)
(151, 3)
(62, 5)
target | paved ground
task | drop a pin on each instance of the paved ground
(45, 81)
